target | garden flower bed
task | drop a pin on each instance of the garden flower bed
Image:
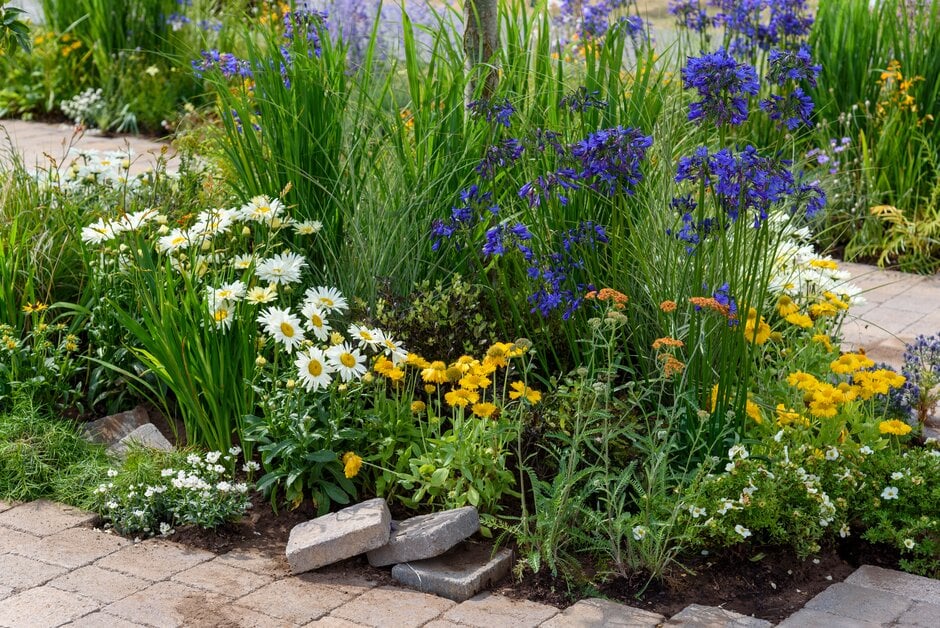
(586, 294)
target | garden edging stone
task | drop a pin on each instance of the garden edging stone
(111, 429)
(146, 435)
(457, 575)
(426, 536)
(339, 535)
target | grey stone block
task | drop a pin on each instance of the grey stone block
(806, 617)
(146, 435)
(862, 603)
(920, 615)
(698, 616)
(597, 613)
(110, 429)
(426, 536)
(457, 575)
(339, 535)
(903, 584)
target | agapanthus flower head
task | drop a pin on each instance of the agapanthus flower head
(500, 155)
(792, 65)
(506, 236)
(225, 62)
(791, 110)
(610, 158)
(723, 84)
(689, 14)
(495, 111)
(473, 208)
(582, 100)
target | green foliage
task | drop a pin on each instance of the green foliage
(14, 31)
(153, 492)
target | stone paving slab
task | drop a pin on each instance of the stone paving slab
(920, 614)
(487, 610)
(168, 605)
(6, 505)
(597, 613)
(699, 616)
(392, 607)
(905, 584)
(43, 518)
(19, 572)
(74, 548)
(335, 622)
(99, 619)
(301, 599)
(860, 603)
(806, 617)
(5, 592)
(154, 560)
(44, 606)
(223, 579)
(256, 561)
(13, 540)
(103, 585)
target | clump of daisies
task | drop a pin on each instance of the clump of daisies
(153, 494)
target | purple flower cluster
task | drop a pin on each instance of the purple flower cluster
(789, 65)
(499, 112)
(582, 100)
(742, 20)
(741, 182)
(505, 237)
(308, 23)
(723, 85)
(553, 272)
(791, 110)
(500, 155)
(610, 159)
(594, 19)
(225, 62)
(473, 208)
(689, 14)
(822, 157)
(921, 370)
(693, 231)
(557, 183)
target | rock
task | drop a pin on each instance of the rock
(457, 575)
(146, 435)
(111, 429)
(698, 616)
(339, 535)
(426, 536)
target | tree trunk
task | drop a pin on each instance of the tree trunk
(480, 43)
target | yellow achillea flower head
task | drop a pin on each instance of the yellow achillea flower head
(667, 341)
(668, 306)
(671, 365)
(894, 426)
(351, 464)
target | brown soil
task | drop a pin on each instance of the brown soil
(770, 583)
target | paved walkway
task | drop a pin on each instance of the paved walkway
(41, 144)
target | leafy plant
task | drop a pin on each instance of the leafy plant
(14, 31)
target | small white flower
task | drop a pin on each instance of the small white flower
(218, 468)
(844, 530)
(866, 450)
(167, 473)
(223, 487)
(744, 532)
(165, 529)
(726, 505)
(729, 468)
(234, 451)
(697, 512)
(832, 454)
(192, 459)
(283, 326)
(251, 465)
(283, 268)
(308, 227)
(897, 475)
(112, 473)
(738, 451)
(213, 456)
(890, 492)
(640, 532)
(112, 505)
(909, 543)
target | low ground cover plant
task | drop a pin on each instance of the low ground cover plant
(587, 302)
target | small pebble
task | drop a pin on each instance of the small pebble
(815, 561)
(773, 585)
(828, 577)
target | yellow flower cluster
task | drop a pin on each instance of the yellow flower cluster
(823, 398)
(896, 89)
(898, 428)
(351, 464)
(756, 330)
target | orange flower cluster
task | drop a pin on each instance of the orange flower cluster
(709, 303)
(617, 299)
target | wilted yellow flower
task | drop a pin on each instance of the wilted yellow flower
(417, 407)
(351, 464)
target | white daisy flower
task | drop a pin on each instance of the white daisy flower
(313, 369)
(135, 220)
(227, 292)
(832, 454)
(283, 268)
(348, 362)
(329, 299)
(697, 512)
(243, 262)
(393, 348)
(366, 337)
(261, 294)
(865, 450)
(308, 227)
(261, 209)
(744, 532)
(283, 326)
(213, 222)
(890, 492)
(176, 240)
(97, 232)
(223, 313)
(316, 321)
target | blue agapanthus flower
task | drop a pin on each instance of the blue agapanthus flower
(724, 85)
(791, 110)
(689, 14)
(610, 159)
(499, 155)
(507, 236)
(790, 65)
(498, 111)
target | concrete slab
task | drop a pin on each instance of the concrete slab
(168, 605)
(457, 575)
(392, 607)
(860, 603)
(897, 582)
(220, 578)
(75, 547)
(99, 584)
(488, 609)
(154, 559)
(426, 536)
(301, 599)
(806, 617)
(699, 616)
(19, 572)
(43, 517)
(339, 535)
(597, 613)
(44, 606)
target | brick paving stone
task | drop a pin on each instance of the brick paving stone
(443, 623)
(43, 517)
(862, 603)
(168, 604)
(234, 615)
(6, 505)
(806, 617)
(103, 585)
(5, 592)
(13, 540)
(99, 619)
(887, 320)
(257, 561)
(221, 578)
(154, 559)
(333, 622)
(900, 583)
(75, 547)
(301, 599)
(457, 575)
(393, 607)
(920, 614)
(19, 572)
(339, 535)
(488, 609)
(699, 616)
(426, 536)
(44, 606)
(596, 612)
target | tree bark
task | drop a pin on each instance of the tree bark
(480, 43)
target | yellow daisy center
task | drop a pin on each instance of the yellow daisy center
(326, 301)
(348, 360)
(314, 368)
(287, 329)
(316, 321)
(220, 315)
(365, 335)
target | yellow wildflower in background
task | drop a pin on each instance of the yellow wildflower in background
(880, 382)
(460, 398)
(435, 373)
(787, 416)
(351, 464)
(786, 306)
(519, 389)
(484, 410)
(756, 331)
(823, 339)
(753, 411)
(851, 362)
(417, 407)
(898, 428)
(800, 320)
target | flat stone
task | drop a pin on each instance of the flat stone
(698, 616)
(101, 620)
(111, 429)
(13, 541)
(6, 505)
(168, 604)
(457, 575)
(333, 622)
(487, 610)
(220, 578)
(339, 535)
(154, 559)
(596, 612)
(900, 583)
(426, 536)
(5, 592)
(920, 614)
(44, 606)
(43, 517)
(392, 607)
(302, 599)
(806, 617)
(862, 603)
(256, 561)
(102, 585)
(75, 547)
(145, 436)
(19, 572)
